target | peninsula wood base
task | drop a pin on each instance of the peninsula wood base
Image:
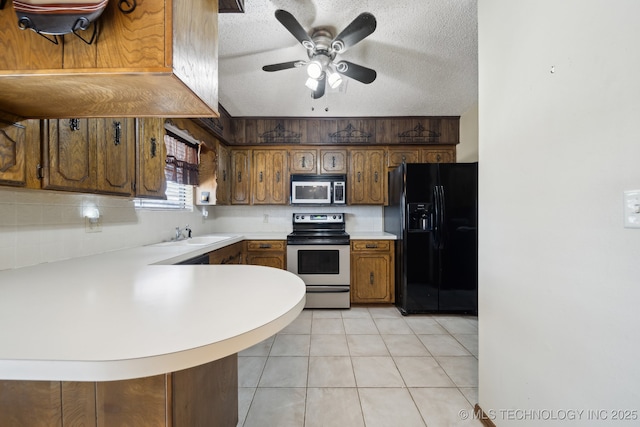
(203, 395)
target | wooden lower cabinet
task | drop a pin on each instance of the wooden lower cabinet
(372, 271)
(270, 253)
(232, 254)
(205, 395)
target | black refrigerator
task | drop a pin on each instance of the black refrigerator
(433, 209)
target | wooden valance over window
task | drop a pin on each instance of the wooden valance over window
(182, 161)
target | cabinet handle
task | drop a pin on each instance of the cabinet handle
(74, 124)
(304, 162)
(333, 161)
(278, 176)
(260, 176)
(438, 158)
(117, 132)
(359, 176)
(154, 147)
(265, 246)
(375, 176)
(371, 278)
(371, 245)
(127, 6)
(224, 174)
(239, 176)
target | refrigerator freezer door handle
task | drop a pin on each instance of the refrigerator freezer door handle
(436, 223)
(442, 216)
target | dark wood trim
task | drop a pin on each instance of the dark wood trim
(483, 417)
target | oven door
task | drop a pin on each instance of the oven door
(325, 270)
(320, 264)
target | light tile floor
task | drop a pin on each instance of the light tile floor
(365, 366)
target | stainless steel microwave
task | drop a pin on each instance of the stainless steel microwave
(318, 189)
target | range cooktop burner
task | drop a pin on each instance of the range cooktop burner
(318, 229)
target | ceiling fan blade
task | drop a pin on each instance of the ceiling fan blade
(294, 27)
(356, 72)
(357, 30)
(319, 92)
(283, 66)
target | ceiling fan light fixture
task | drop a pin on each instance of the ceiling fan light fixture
(334, 79)
(312, 83)
(314, 69)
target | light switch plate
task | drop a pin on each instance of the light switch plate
(632, 209)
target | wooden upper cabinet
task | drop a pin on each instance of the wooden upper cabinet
(20, 154)
(396, 156)
(151, 154)
(240, 180)
(159, 60)
(223, 175)
(69, 155)
(333, 161)
(116, 156)
(366, 180)
(269, 183)
(438, 155)
(303, 161)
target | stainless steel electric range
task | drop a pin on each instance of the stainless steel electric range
(318, 252)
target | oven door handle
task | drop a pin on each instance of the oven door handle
(327, 289)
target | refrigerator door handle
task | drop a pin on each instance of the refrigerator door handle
(442, 216)
(436, 222)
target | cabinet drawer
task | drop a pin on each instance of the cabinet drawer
(266, 245)
(370, 245)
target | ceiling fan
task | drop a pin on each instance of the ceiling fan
(322, 49)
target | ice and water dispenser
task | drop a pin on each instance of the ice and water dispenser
(420, 217)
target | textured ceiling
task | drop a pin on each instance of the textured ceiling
(424, 52)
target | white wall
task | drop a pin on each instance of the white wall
(46, 226)
(559, 275)
(467, 150)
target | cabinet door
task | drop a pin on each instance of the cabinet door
(69, 155)
(150, 178)
(17, 141)
(268, 184)
(366, 177)
(398, 155)
(303, 161)
(278, 178)
(116, 156)
(223, 177)
(370, 277)
(240, 184)
(269, 253)
(333, 161)
(438, 155)
(372, 271)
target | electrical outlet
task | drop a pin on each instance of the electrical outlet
(632, 209)
(93, 225)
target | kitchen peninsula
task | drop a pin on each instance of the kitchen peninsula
(123, 337)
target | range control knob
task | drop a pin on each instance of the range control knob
(334, 217)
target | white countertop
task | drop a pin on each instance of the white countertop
(372, 235)
(122, 314)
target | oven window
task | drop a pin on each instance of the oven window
(318, 261)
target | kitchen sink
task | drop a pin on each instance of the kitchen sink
(196, 241)
(205, 240)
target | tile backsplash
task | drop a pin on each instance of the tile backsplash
(45, 226)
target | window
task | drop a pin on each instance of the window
(179, 197)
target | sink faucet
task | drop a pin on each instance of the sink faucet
(180, 232)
